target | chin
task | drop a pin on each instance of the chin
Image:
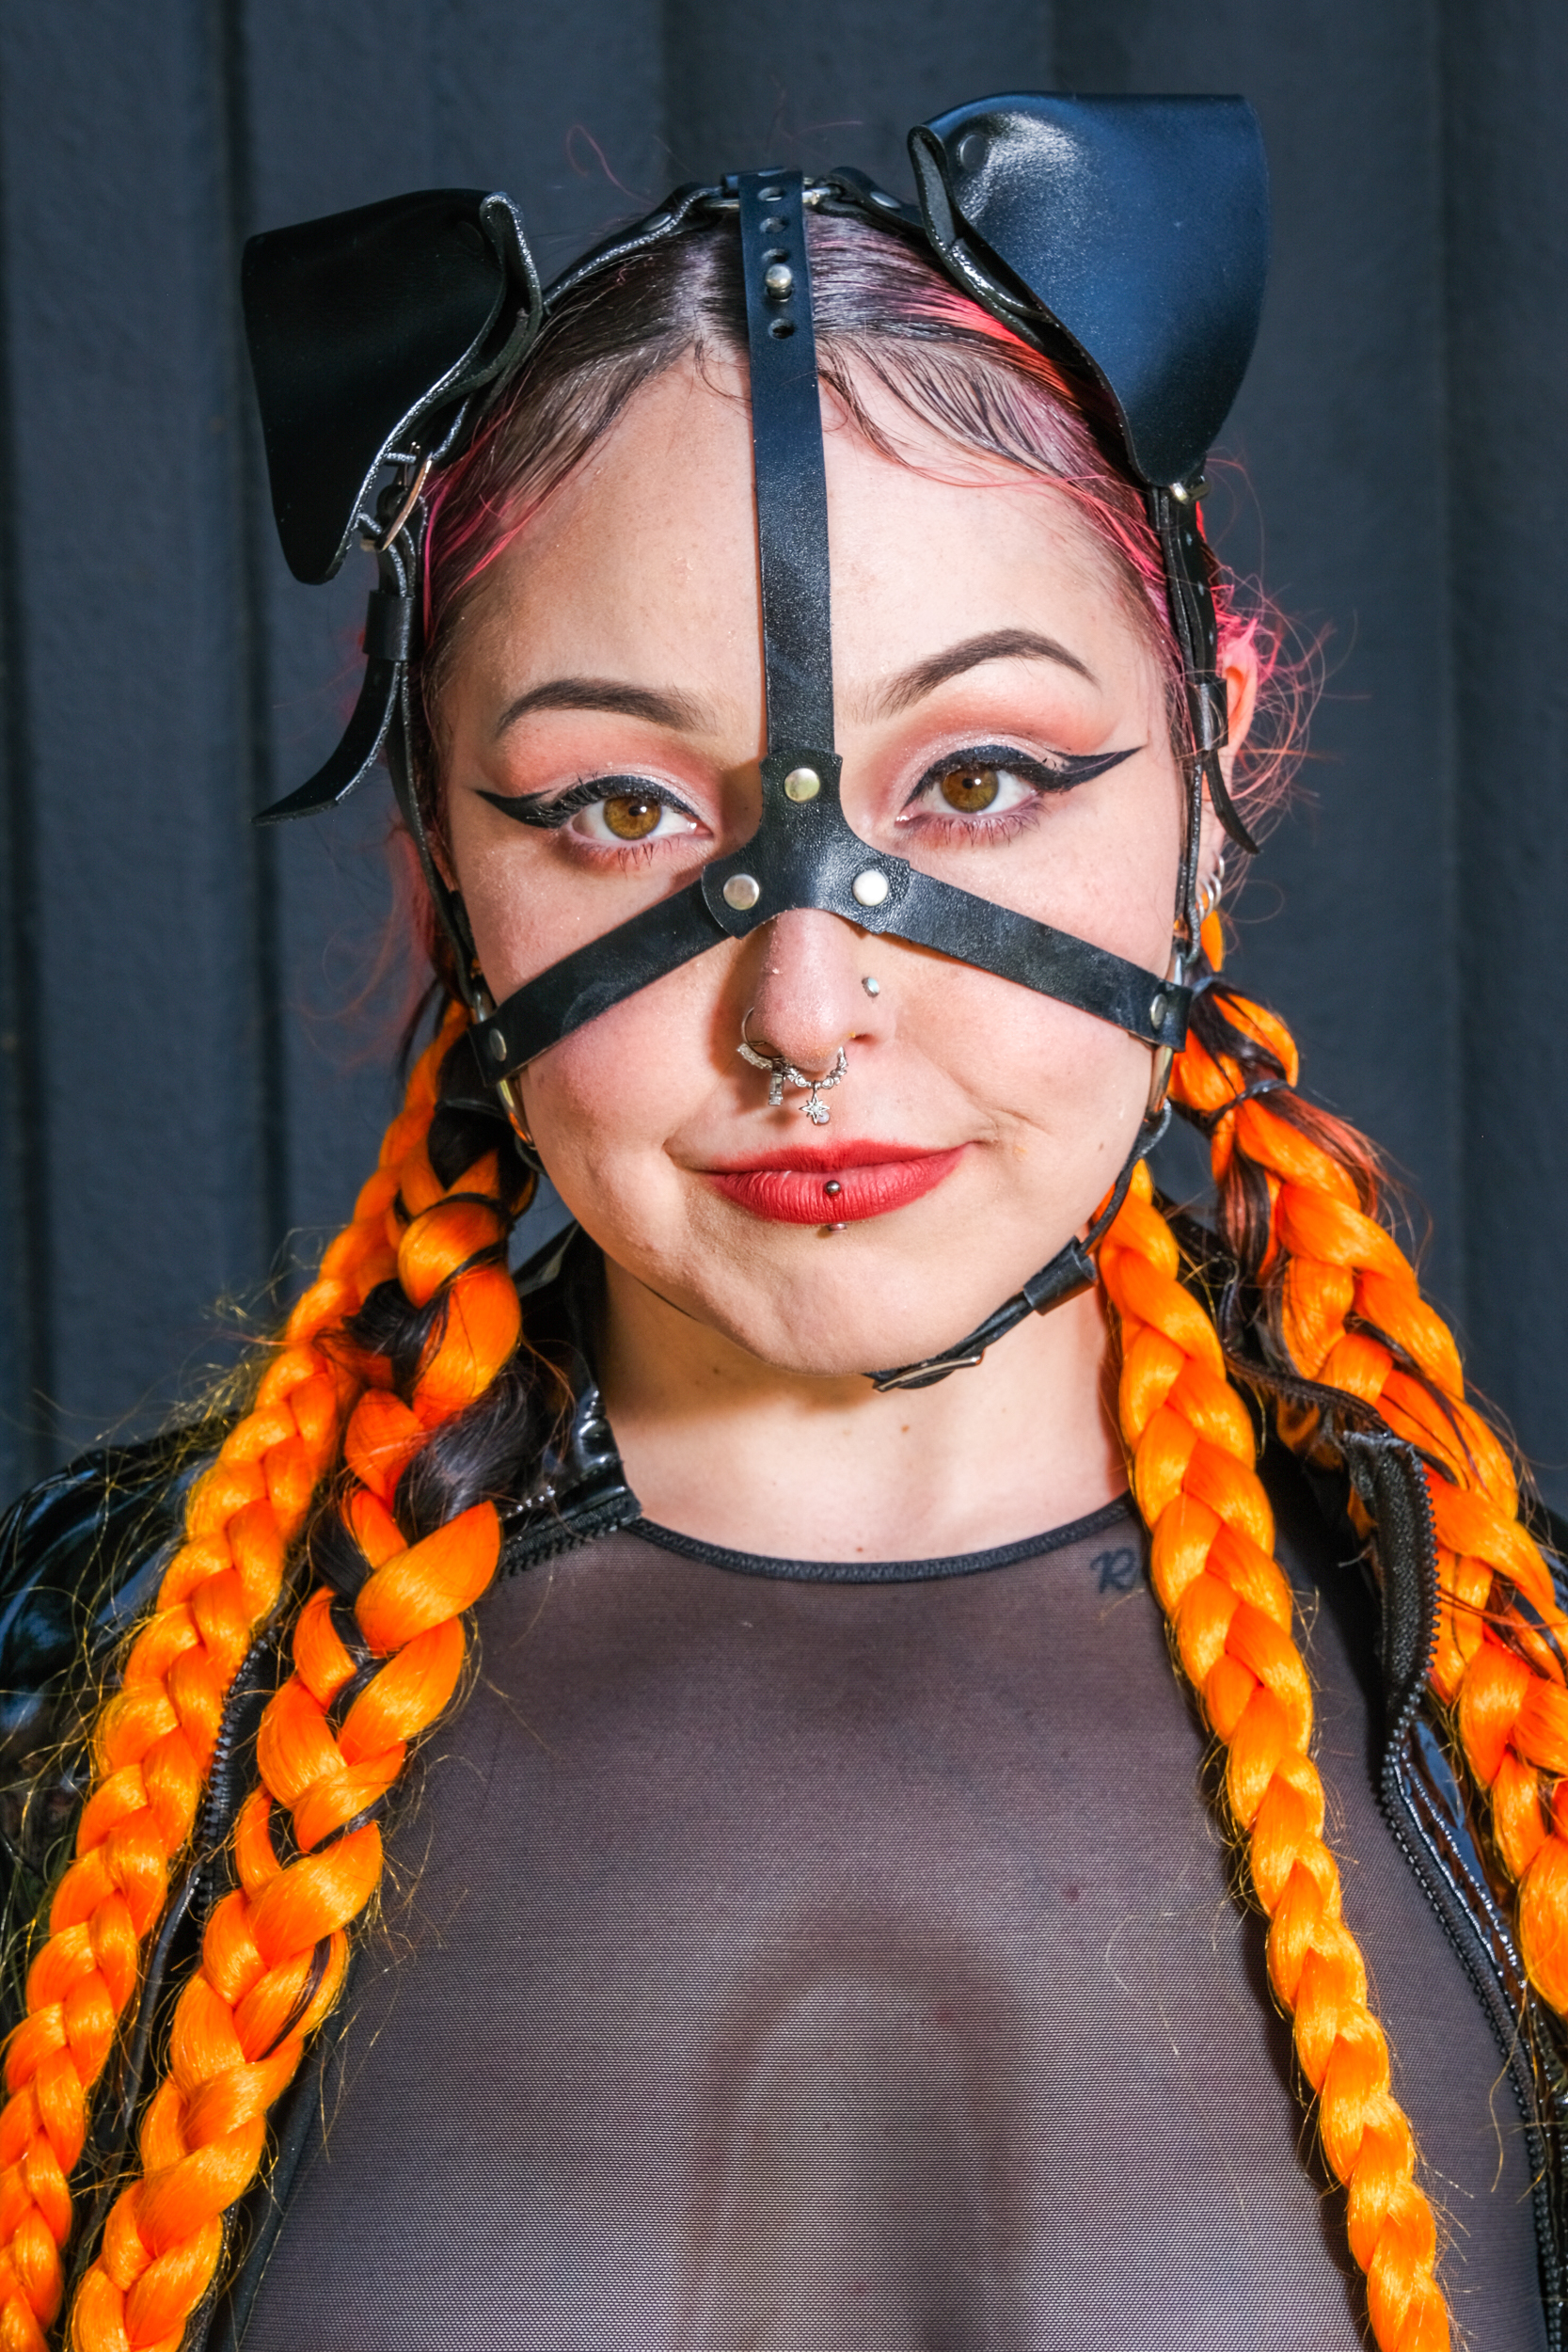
(837, 1304)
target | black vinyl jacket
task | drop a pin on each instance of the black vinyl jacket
(82, 1554)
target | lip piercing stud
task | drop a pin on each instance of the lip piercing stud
(872, 988)
(833, 1190)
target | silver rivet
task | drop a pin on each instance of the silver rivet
(778, 281)
(803, 784)
(498, 1045)
(971, 151)
(1157, 1012)
(742, 891)
(884, 202)
(870, 888)
(872, 988)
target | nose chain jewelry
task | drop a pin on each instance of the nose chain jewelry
(782, 1073)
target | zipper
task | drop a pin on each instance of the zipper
(1388, 1475)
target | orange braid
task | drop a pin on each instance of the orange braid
(275, 1949)
(1349, 1315)
(1229, 1607)
(153, 1746)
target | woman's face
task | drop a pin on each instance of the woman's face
(978, 636)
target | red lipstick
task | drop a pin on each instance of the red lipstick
(834, 1183)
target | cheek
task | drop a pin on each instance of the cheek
(1053, 1085)
(504, 911)
(626, 1105)
(611, 1096)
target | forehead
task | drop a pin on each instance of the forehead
(644, 561)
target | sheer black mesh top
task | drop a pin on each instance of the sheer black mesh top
(791, 1959)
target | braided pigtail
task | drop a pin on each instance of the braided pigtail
(1229, 1606)
(154, 1742)
(1341, 1306)
(378, 1651)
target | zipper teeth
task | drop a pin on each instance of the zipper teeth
(531, 1549)
(1397, 1784)
(1491, 1984)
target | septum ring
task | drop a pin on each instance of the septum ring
(782, 1073)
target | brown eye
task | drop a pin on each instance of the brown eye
(971, 789)
(632, 817)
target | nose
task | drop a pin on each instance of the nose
(808, 994)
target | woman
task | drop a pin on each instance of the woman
(820, 1924)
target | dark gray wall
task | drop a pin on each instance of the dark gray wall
(195, 1018)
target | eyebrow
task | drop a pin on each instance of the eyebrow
(685, 714)
(660, 708)
(998, 645)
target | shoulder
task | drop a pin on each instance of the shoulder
(80, 1555)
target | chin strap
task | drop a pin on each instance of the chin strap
(1069, 1272)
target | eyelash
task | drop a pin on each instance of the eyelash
(549, 816)
(1061, 773)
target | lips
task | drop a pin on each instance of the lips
(870, 1179)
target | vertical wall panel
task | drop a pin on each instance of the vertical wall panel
(26, 1334)
(1507, 223)
(820, 82)
(123, 536)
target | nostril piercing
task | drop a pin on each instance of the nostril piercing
(872, 988)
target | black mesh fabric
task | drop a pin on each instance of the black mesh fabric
(787, 1959)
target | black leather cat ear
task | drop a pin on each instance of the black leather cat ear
(1137, 227)
(369, 332)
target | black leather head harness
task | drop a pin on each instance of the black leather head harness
(1127, 237)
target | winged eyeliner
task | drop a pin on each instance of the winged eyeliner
(1059, 774)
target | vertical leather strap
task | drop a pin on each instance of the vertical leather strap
(791, 483)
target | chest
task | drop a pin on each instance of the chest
(784, 1963)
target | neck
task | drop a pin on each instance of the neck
(723, 1447)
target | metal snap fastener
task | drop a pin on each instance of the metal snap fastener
(1157, 1012)
(778, 281)
(803, 784)
(498, 1044)
(971, 151)
(742, 891)
(870, 888)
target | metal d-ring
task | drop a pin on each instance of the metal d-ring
(782, 1073)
